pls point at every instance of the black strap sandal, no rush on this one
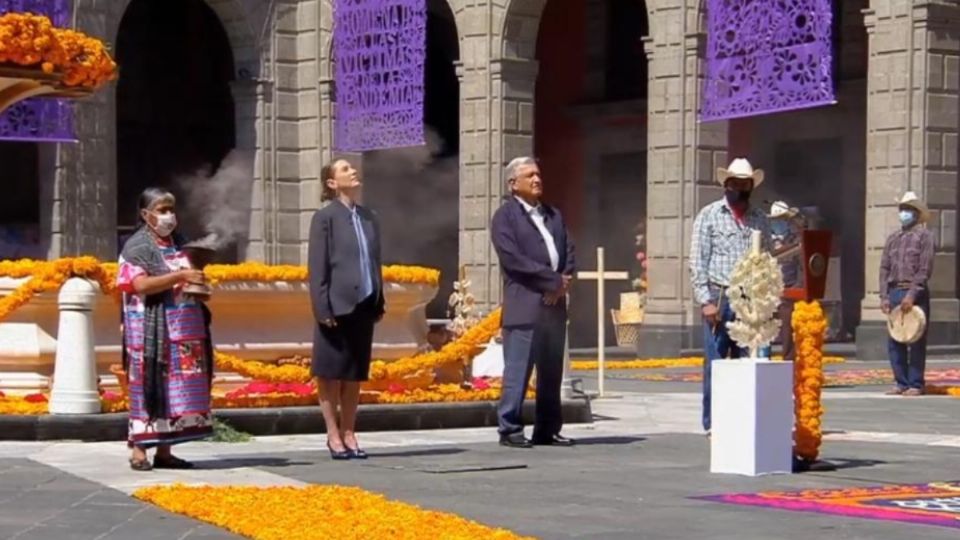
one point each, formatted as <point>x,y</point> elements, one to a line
<point>142,465</point>
<point>171,462</point>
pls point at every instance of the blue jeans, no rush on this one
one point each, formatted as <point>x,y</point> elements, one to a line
<point>909,361</point>
<point>717,344</point>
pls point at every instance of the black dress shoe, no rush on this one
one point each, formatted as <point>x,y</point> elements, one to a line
<point>516,440</point>
<point>553,440</point>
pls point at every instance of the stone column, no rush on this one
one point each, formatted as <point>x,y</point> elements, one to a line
<point>913,118</point>
<point>682,155</point>
<point>496,126</point>
<point>251,99</point>
<point>79,184</point>
<point>75,372</point>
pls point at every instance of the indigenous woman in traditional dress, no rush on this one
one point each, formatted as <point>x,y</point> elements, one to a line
<point>346,290</point>
<point>167,352</point>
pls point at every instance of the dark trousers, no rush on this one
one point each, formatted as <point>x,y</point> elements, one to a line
<point>909,361</point>
<point>786,330</point>
<point>524,347</point>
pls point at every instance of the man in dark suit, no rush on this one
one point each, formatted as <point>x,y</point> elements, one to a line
<point>536,259</point>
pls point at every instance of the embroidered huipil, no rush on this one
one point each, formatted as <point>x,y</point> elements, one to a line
<point>719,240</point>
<point>187,381</point>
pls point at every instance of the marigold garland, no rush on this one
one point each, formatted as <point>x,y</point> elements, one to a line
<point>49,276</point>
<point>659,363</point>
<point>460,350</point>
<point>289,513</point>
<point>936,390</point>
<point>37,404</point>
<point>32,40</point>
<point>255,271</point>
<point>809,329</point>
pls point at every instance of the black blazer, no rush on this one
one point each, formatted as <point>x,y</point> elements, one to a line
<point>525,261</point>
<point>333,260</point>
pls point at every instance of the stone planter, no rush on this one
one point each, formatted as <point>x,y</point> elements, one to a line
<point>254,320</point>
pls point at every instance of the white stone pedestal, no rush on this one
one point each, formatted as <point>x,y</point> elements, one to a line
<point>752,417</point>
<point>75,372</point>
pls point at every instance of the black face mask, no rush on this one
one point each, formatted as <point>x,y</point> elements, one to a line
<point>737,197</point>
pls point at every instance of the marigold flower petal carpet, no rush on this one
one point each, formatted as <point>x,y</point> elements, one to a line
<point>315,512</point>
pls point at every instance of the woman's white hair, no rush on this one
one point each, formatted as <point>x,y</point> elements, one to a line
<point>510,172</point>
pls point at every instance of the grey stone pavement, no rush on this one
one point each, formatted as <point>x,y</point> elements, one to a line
<point>632,475</point>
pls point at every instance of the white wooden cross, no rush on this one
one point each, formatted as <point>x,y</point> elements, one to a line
<point>600,276</point>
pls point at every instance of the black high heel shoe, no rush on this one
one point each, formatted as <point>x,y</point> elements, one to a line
<point>338,455</point>
<point>356,453</point>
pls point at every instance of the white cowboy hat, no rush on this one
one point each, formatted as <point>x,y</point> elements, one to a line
<point>781,209</point>
<point>906,327</point>
<point>740,168</point>
<point>911,200</point>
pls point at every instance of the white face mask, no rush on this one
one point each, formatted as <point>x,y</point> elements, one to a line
<point>166,223</point>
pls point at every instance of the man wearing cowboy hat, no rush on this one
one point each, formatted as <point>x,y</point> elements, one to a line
<point>786,229</point>
<point>721,236</point>
<point>905,269</point>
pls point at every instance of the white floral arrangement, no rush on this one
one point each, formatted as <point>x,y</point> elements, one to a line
<point>754,295</point>
<point>462,306</point>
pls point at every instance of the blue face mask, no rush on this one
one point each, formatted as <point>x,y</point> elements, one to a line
<point>779,228</point>
<point>907,217</point>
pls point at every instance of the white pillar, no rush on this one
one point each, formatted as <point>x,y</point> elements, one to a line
<point>75,372</point>
<point>566,386</point>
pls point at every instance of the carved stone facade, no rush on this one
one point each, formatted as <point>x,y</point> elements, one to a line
<point>284,114</point>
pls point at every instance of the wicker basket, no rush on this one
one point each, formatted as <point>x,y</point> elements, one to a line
<point>628,333</point>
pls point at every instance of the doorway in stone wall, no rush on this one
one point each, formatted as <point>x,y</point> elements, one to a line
<point>175,112</point>
<point>590,138</point>
<point>20,206</point>
<point>415,191</point>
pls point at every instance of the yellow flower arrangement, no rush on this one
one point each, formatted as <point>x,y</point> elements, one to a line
<point>261,371</point>
<point>292,513</point>
<point>49,276</point>
<point>935,390</point>
<point>255,271</point>
<point>658,363</point>
<point>652,363</point>
<point>462,349</point>
<point>19,405</point>
<point>32,40</point>
<point>809,328</point>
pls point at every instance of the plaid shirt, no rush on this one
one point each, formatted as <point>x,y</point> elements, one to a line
<point>719,241</point>
<point>907,258</point>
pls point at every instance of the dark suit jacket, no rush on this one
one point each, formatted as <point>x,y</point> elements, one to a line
<point>525,261</point>
<point>333,260</point>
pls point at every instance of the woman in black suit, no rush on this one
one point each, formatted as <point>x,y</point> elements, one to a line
<point>346,290</point>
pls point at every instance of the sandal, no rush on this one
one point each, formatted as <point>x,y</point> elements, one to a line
<point>140,464</point>
<point>171,462</point>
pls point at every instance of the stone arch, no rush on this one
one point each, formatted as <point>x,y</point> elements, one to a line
<point>522,22</point>
<point>232,15</point>
<point>231,78</point>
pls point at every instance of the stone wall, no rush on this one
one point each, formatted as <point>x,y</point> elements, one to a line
<point>78,181</point>
<point>912,123</point>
